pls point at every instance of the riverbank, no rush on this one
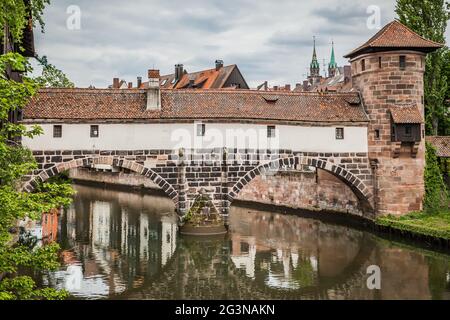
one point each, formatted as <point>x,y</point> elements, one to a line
<point>434,225</point>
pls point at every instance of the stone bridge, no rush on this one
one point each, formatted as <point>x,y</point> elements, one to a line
<point>220,173</point>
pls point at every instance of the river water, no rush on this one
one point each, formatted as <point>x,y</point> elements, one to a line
<point>119,245</point>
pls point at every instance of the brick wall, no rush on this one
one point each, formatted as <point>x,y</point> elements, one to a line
<point>312,191</point>
<point>399,178</point>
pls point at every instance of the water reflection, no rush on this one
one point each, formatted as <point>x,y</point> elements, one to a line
<point>125,246</point>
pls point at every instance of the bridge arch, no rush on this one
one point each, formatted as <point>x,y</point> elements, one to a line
<point>45,174</point>
<point>359,187</point>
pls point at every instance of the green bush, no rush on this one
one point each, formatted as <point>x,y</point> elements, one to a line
<point>436,193</point>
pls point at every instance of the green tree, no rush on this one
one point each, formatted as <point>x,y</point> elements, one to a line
<point>52,76</point>
<point>14,15</point>
<point>17,161</point>
<point>429,19</point>
<point>436,194</point>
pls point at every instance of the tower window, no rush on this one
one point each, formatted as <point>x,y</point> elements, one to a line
<point>57,131</point>
<point>201,130</point>
<point>363,64</point>
<point>377,134</point>
<point>94,131</point>
<point>408,131</point>
<point>379,62</point>
<point>339,133</point>
<point>270,131</point>
<point>402,62</point>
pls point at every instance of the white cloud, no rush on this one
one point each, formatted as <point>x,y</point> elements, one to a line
<point>268,40</point>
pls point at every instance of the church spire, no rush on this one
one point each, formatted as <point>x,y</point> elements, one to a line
<point>332,66</point>
<point>314,66</point>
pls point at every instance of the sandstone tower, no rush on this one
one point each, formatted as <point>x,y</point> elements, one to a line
<point>388,71</point>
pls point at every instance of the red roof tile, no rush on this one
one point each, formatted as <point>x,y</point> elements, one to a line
<point>442,145</point>
<point>205,79</point>
<point>406,114</point>
<point>395,35</point>
<point>96,104</point>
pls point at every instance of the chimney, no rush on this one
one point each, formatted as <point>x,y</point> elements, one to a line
<point>347,73</point>
<point>139,82</point>
<point>275,88</point>
<point>305,85</point>
<point>130,85</point>
<point>153,91</point>
<point>116,83</point>
<point>179,71</point>
<point>219,64</point>
<point>287,87</point>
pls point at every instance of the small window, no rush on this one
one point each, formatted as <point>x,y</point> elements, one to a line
<point>201,130</point>
<point>363,64</point>
<point>379,62</point>
<point>339,133</point>
<point>402,62</point>
<point>270,131</point>
<point>94,131</point>
<point>57,131</point>
<point>408,131</point>
<point>377,134</point>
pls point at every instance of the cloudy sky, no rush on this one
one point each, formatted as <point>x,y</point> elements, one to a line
<point>268,40</point>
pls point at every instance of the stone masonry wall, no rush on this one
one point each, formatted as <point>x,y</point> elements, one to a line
<point>221,174</point>
<point>399,177</point>
<point>318,190</point>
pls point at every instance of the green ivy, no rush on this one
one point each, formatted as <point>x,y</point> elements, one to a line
<point>436,193</point>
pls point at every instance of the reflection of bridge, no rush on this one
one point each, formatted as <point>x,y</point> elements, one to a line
<point>119,245</point>
<point>221,174</point>
<point>113,242</point>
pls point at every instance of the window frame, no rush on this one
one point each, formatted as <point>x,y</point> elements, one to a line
<point>271,132</point>
<point>337,135</point>
<point>92,131</point>
<point>402,62</point>
<point>363,65</point>
<point>408,131</point>
<point>202,131</point>
<point>55,135</point>
<point>377,134</point>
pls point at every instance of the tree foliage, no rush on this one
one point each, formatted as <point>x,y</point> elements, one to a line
<point>429,19</point>
<point>52,76</point>
<point>15,14</point>
<point>15,162</point>
<point>436,194</point>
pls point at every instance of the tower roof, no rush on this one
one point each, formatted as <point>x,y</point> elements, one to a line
<point>395,36</point>
<point>315,63</point>
<point>332,64</point>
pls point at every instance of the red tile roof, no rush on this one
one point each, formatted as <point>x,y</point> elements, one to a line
<point>110,104</point>
<point>406,114</point>
<point>395,35</point>
<point>442,145</point>
<point>205,79</point>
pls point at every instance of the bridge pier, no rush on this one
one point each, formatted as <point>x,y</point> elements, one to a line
<point>182,201</point>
